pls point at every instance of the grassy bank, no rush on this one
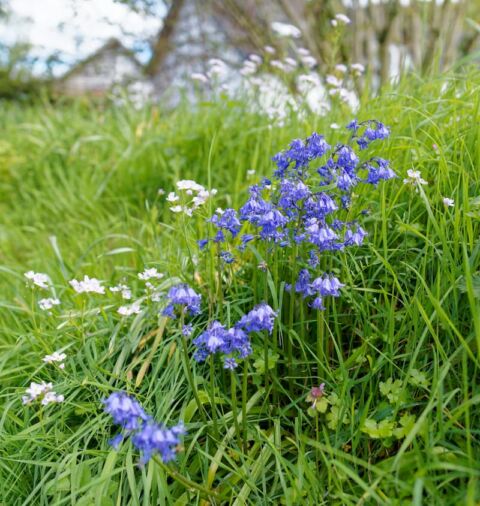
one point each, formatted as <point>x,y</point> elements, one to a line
<point>79,195</point>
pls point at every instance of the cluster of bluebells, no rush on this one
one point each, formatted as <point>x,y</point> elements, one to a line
<point>313,183</point>
<point>148,437</point>
<point>182,298</point>
<point>320,287</point>
<point>234,343</point>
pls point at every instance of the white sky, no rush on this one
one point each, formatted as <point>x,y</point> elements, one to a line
<point>75,28</point>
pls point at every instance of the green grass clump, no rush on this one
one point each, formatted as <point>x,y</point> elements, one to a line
<point>399,422</point>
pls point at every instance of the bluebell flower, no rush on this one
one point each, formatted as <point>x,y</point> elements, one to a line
<point>345,181</point>
<point>346,157</point>
<point>261,317</point>
<point>321,235</point>
<point>380,172</point>
<point>218,339</point>
<point>372,130</point>
<point>116,441</point>
<point>255,207</point>
<point>303,283</point>
<point>147,436</point>
<point>270,222</point>
<point>228,220</point>
<point>319,205</point>
<point>153,439</point>
<point>327,285</point>
<point>184,296</point>
<point>212,339</point>
<point>230,363</point>
<point>202,243</point>
<point>227,257</point>
<point>124,410</point>
<point>187,330</point>
<point>354,237</point>
<point>318,303</point>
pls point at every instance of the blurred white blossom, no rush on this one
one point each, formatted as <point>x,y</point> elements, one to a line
<point>129,310</point>
<point>87,285</point>
<point>286,30</point>
<point>55,357</point>
<point>48,303</point>
<point>38,279</point>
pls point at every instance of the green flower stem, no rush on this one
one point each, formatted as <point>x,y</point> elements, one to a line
<point>320,341</point>
<point>188,372</point>
<point>212,397</point>
<point>183,480</point>
<point>244,404</point>
<point>233,393</point>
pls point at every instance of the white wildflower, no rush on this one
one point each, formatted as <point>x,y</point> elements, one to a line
<point>278,65</point>
<point>255,58</point>
<point>341,68</point>
<point>334,126</point>
<point>87,285</point>
<point>269,49</point>
<point>341,18</point>
<point>45,390</point>
<point>151,273</point>
<point>303,51</point>
<point>290,61</point>
<point>358,68</point>
<point>123,289</point>
<point>176,209</point>
<point>448,202</point>
<point>251,172</point>
<point>414,177</point>
<point>51,397</point>
<point>38,278</point>
<point>201,78</point>
<point>333,81</point>
<point>188,184</point>
<point>55,357</point>
<point>160,192</point>
<point>48,303</point>
<point>309,61</point>
<point>171,197</point>
<point>286,30</point>
<point>129,310</point>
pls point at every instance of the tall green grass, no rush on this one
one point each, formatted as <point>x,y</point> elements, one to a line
<point>79,195</point>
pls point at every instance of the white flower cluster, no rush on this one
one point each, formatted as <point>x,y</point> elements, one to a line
<point>123,289</point>
<point>447,202</point>
<point>38,279</point>
<point>414,178</point>
<point>129,310</point>
<point>286,30</point>
<point>194,196</point>
<point>56,356</point>
<point>43,391</point>
<point>151,273</point>
<point>340,19</point>
<point>87,285</point>
<point>48,303</point>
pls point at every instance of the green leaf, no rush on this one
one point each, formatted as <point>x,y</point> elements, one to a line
<point>381,430</point>
<point>393,390</point>
<point>418,379</point>
<point>407,423</point>
<point>321,405</point>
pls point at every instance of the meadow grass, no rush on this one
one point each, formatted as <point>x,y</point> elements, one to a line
<point>79,195</point>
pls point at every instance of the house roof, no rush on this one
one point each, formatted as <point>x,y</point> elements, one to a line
<point>111,44</point>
